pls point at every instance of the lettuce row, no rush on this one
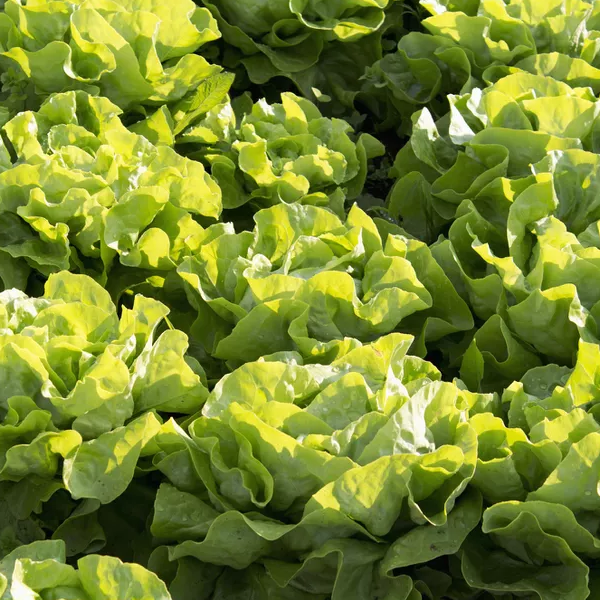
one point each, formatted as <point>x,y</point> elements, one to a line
<point>508,178</point>
<point>329,460</point>
<point>363,476</point>
<point>465,45</point>
<point>81,192</point>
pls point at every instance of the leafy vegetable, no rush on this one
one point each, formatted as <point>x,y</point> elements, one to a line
<point>133,52</point>
<point>288,37</point>
<point>310,283</point>
<point>289,455</point>
<point>283,152</point>
<point>82,394</point>
<point>85,193</point>
<point>252,372</point>
<point>41,567</point>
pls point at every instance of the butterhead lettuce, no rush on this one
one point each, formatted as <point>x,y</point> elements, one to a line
<point>286,152</point>
<point>85,193</point>
<point>134,53</point>
<point>82,397</point>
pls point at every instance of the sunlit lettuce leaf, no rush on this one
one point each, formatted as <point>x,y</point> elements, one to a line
<point>41,568</point>
<point>85,192</point>
<point>310,283</point>
<point>134,53</point>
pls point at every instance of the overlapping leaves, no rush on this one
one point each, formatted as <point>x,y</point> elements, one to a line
<point>288,459</point>
<point>40,570</point>
<point>283,152</point>
<point>288,37</point>
<point>81,397</point>
<point>366,476</point>
<point>134,53</point>
<point>305,281</point>
<point>85,194</point>
<point>509,175</point>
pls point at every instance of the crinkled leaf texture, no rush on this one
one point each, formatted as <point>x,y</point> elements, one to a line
<point>86,193</point>
<point>40,570</point>
<point>132,52</point>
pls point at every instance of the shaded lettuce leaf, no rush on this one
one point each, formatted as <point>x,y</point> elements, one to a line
<point>422,71</point>
<point>533,547</point>
<point>289,37</point>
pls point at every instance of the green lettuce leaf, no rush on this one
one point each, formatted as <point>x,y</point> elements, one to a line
<point>134,53</point>
<point>85,191</point>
